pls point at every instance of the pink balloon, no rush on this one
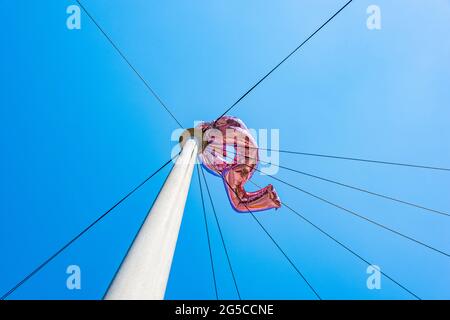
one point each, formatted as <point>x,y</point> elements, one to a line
<point>235,169</point>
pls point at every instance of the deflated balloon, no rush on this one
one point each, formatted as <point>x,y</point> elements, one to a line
<point>235,166</point>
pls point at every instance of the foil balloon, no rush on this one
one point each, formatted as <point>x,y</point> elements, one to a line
<point>235,166</point>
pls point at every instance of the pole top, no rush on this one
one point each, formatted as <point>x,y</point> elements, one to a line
<point>196,134</point>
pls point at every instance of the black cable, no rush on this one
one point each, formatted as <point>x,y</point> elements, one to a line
<point>352,187</point>
<point>43,264</point>
<point>361,216</point>
<point>221,235</point>
<point>350,250</point>
<point>147,85</point>
<point>207,233</point>
<point>275,242</point>
<point>357,215</point>
<point>282,61</point>
<point>337,241</point>
<point>343,245</point>
<point>358,159</point>
<point>134,238</point>
<point>285,255</point>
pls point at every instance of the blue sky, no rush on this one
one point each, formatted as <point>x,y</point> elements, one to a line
<point>79,130</point>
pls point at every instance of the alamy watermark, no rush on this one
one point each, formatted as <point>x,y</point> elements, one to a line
<point>234,146</point>
<point>73,281</point>
<point>373,21</point>
<point>73,21</point>
<point>374,280</point>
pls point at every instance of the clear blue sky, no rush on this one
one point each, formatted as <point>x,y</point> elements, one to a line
<point>79,130</point>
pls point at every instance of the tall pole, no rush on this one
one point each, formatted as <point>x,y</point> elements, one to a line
<point>145,270</point>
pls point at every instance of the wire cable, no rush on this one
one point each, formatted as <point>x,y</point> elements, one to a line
<point>358,159</point>
<point>351,187</point>
<point>361,217</point>
<point>276,243</point>
<point>282,61</point>
<point>146,84</point>
<point>221,234</point>
<point>207,233</point>
<point>141,224</point>
<point>342,245</point>
<point>64,247</point>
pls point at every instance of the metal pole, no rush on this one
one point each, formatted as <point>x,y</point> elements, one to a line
<point>144,273</point>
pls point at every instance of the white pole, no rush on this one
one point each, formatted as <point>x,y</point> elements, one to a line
<point>144,273</point>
